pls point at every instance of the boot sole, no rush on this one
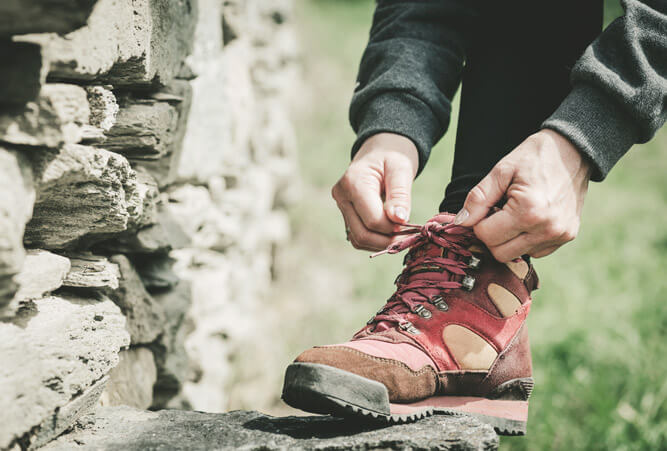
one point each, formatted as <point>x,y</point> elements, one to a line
<point>323,389</point>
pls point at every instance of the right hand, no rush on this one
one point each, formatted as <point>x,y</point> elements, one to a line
<point>374,192</point>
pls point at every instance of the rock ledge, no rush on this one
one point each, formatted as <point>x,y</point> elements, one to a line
<point>127,429</point>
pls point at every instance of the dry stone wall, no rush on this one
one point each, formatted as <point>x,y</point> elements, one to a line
<point>146,160</point>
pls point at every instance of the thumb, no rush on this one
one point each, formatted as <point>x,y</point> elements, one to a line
<point>397,188</point>
<point>485,195</point>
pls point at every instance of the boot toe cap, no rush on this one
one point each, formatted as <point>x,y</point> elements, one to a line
<point>403,383</point>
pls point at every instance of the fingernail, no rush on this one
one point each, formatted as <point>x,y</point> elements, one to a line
<point>461,216</point>
<point>401,213</point>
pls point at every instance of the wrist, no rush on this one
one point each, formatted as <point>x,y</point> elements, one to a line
<point>574,159</point>
<point>390,145</point>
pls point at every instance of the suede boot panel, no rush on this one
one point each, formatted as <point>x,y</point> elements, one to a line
<point>513,363</point>
<point>403,384</point>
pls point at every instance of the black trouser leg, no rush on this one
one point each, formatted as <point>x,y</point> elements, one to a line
<point>516,75</point>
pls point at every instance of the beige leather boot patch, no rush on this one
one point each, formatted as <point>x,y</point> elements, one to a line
<point>503,299</point>
<point>520,269</point>
<point>470,351</point>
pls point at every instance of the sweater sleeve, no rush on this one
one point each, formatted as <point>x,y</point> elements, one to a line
<point>619,87</point>
<point>410,71</point>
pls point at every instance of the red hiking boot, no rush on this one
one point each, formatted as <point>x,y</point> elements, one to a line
<point>450,340</point>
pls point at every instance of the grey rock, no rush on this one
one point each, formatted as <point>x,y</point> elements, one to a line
<point>159,238</point>
<point>85,195</point>
<point>143,128</point>
<point>42,272</point>
<point>57,116</point>
<point>38,16</point>
<point>16,205</point>
<point>145,317</point>
<point>125,43</point>
<point>51,351</point>
<point>103,107</point>
<point>127,429</point>
<point>131,381</point>
<point>165,168</point>
<point>64,417</point>
<point>93,272</point>
<point>21,76</point>
<point>171,358</point>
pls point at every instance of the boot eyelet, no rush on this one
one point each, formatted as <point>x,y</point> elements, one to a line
<point>422,311</point>
<point>474,262</point>
<point>439,303</point>
<point>408,327</point>
<point>468,283</point>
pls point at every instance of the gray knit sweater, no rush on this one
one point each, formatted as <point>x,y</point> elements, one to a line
<point>407,79</point>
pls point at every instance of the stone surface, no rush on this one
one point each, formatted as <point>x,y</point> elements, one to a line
<point>92,272</point>
<point>103,107</point>
<point>39,16</point>
<point>51,351</point>
<point>159,238</point>
<point>22,75</point>
<point>86,195</point>
<point>58,116</point>
<point>178,94</point>
<point>131,381</point>
<point>42,272</point>
<point>143,128</point>
<point>139,42</point>
<point>16,204</point>
<point>127,429</point>
<point>145,317</point>
<point>171,358</point>
<point>65,416</point>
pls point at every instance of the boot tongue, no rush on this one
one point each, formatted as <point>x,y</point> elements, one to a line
<point>426,271</point>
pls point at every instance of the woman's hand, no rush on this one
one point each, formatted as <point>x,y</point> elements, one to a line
<point>544,182</point>
<point>374,192</point>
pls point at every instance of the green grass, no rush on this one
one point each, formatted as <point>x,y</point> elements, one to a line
<point>599,322</point>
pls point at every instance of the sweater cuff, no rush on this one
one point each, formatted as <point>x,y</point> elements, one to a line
<point>400,113</point>
<point>596,125</point>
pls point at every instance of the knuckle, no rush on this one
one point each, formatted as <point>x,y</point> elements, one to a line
<point>399,192</point>
<point>534,216</point>
<point>362,237</point>
<point>553,230</point>
<point>569,235</point>
<point>503,170</point>
<point>476,195</point>
<point>373,223</point>
<point>335,191</point>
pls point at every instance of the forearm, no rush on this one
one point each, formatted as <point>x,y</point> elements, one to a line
<point>619,88</point>
<point>410,71</point>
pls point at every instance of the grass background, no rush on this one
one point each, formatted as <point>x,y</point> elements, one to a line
<point>598,324</point>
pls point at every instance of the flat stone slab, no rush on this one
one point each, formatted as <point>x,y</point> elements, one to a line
<point>126,429</point>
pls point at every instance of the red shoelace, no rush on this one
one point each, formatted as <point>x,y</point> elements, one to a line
<point>451,237</point>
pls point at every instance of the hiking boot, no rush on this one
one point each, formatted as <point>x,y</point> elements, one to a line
<point>452,339</point>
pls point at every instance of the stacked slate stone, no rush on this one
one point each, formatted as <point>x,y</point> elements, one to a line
<point>139,204</point>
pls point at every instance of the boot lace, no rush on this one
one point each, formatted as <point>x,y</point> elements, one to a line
<point>410,295</point>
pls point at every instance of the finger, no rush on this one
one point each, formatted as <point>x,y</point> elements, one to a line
<point>539,253</point>
<point>485,195</point>
<point>366,197</point>
<point>514,248</point>
<point>360,236</point>
<point>498,228</point>
<point>397,187</point>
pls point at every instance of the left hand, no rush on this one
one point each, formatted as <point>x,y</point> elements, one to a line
<point>544,182</point>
